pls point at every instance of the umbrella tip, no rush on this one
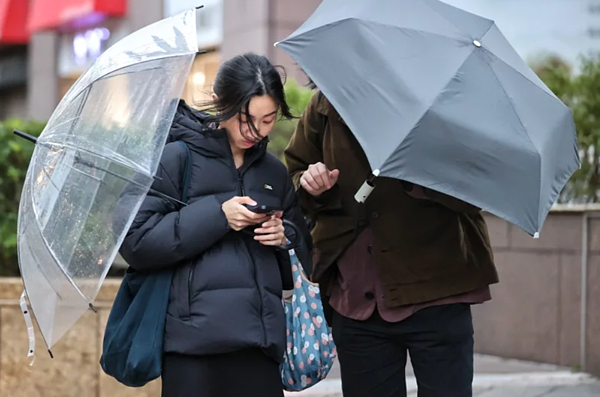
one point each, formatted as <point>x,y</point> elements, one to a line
<point>199,7</point>
<point>50,353</point>
<point>25,136</point>
<point>94,309</point>
<point>536,235</point>
<point>276,44</point>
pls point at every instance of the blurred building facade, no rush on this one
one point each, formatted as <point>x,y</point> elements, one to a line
<point>255,25</point>
<point>67,36</point>
<point>45,45</point>
<point>14,37</point>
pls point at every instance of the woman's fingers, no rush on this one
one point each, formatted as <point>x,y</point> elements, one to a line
<point>245,215</point>
<point>271,232</point>
<point>272,226</point>
<point>274,240</point>
<point>269,237</point>
<point>238,225</point>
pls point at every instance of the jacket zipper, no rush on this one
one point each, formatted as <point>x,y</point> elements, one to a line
<point>191,274</point>
<point>190,279</point>
<point>260,306</point>
<point>241,183</point>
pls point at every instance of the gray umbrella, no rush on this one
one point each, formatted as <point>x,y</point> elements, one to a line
<point>437,96</point>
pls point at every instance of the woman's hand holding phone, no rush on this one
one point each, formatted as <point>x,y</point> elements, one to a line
<point>271,232</point>
<point>240,217</point>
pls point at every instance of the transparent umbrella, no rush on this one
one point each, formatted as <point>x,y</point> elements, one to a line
<point>104,139</point>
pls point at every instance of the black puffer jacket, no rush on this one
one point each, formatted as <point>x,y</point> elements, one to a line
<point>226,291</point>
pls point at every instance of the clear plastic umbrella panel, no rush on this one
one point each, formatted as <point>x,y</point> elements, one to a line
<point>104,138</point>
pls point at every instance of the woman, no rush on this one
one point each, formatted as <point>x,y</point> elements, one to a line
<point>225,328</point>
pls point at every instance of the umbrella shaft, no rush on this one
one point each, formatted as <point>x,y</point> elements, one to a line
<point>92,165</point>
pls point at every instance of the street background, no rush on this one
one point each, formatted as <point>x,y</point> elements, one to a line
<point>546,309</point>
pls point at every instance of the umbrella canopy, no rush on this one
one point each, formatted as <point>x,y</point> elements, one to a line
<point>438,97</point>
<point>104,138</point>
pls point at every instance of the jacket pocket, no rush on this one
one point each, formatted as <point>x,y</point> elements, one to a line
<point>181,294</point>
<point>190,281</point>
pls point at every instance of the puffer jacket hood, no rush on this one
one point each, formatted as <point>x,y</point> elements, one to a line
<point>192,127</point>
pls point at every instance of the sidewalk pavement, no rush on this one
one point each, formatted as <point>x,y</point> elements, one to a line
<point>494,377</point>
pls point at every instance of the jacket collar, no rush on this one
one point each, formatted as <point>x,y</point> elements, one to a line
<point>191,127</point>
<point>325,108</point>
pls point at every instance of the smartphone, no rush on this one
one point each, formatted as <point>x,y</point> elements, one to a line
<point>264,209</point>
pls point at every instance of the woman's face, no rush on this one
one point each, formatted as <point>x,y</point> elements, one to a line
<point>263,113</point>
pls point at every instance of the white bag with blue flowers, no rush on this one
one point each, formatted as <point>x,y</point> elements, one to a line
<point>310,351</point>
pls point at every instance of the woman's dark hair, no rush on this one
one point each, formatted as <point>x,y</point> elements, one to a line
<point>239,80</point>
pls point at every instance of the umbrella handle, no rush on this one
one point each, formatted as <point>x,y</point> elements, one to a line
<point>365,190</point>
<point>298,236</point>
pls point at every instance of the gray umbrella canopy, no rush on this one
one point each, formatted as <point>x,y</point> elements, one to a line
<point>437,96</point>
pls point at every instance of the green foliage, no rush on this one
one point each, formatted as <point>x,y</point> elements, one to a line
<point>581,92</point>
<point>297,98</point>
<point>15,153</point>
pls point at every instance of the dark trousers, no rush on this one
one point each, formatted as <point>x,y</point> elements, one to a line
<point>439,339</point>
<point>245,373</point>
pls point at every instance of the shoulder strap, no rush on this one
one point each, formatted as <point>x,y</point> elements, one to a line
<point>186,173</point>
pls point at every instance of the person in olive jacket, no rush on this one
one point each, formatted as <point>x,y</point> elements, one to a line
<point>225,327</point>
<point>398,273</point>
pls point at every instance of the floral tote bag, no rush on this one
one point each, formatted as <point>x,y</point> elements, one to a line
<point>310,351</point>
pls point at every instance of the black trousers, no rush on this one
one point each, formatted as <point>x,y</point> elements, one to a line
<point>247,373</point>
<point>439,339</point>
